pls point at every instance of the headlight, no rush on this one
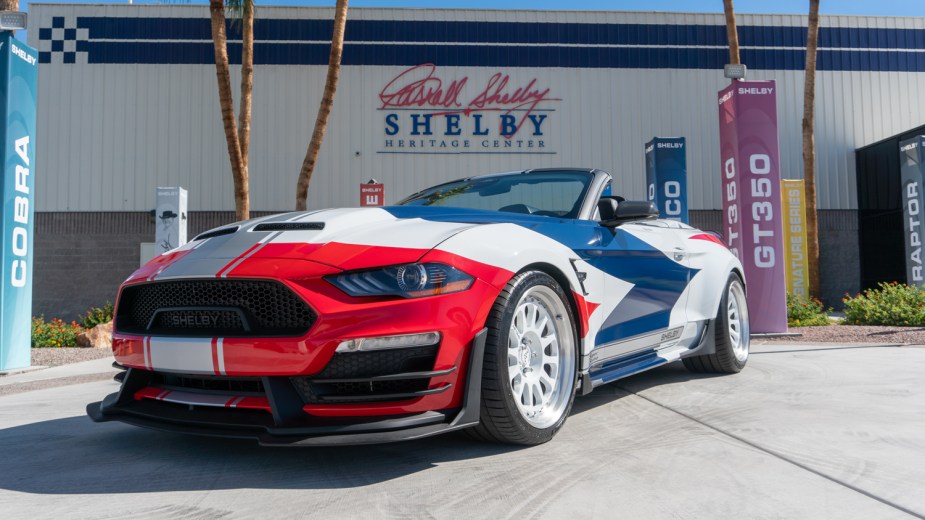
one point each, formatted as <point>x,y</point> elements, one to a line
<point>409,281</point>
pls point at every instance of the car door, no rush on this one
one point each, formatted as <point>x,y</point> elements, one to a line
<point>645,276</point>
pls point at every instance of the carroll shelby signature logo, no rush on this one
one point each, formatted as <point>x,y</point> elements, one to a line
<point>422,87</point>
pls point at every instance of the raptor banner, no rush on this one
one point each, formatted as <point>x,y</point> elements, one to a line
<point>750,158</point>
<point>912,171</point>
<point>18,72</point>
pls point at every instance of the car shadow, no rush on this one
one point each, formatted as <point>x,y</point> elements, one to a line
<point>76,456</point>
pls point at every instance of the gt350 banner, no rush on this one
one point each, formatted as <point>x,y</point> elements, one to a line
<point>666,176</point>
<point>750,158</point>
<point>912,171</point>
<point>18,70</point>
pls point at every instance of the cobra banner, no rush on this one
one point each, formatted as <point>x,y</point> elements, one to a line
<point>18,72</point>
<point>793,198</point>
<point>912,171</point>
<point>750,158</point>
<point>666,176</point>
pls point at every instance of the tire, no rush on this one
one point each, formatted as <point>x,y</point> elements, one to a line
<point>732,332</point>
<point>527,387</point>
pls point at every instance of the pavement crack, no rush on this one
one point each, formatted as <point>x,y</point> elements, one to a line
<point>778,456</point>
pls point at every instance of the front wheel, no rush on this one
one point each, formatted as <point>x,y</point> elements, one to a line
<point>530,370</point>
<point>732,334</point>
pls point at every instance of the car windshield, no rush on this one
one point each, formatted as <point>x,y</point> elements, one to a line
<point>553,194</point>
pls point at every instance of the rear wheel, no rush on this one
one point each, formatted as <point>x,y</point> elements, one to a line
<point>530,369</point>
<point>732,334</point>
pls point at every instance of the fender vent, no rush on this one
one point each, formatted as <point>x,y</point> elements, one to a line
<point>290,226</point>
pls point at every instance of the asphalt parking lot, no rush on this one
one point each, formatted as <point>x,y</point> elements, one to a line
<point>806,431</point>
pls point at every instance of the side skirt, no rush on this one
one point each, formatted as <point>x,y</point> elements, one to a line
<point>633,363</point>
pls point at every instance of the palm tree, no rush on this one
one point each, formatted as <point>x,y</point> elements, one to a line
<point>327,101</point>
<point>732,34</point>
<point>236,136</point>
<point>809,147</point>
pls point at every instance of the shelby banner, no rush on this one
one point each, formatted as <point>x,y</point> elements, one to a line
<point>666,176</point>
<point>750,158</point>
<point>793,198</point>
<point>912,171</point>
<point>18,72</point>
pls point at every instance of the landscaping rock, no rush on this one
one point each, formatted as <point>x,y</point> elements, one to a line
<point>97,337</point>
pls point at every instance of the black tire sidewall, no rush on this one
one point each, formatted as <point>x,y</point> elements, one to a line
<point>501,318</point>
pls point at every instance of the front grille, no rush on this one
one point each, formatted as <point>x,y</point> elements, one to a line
<point>364,366</point>
<point>213,308</point>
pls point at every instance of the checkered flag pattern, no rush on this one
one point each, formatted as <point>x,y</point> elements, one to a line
<point>63,42</point>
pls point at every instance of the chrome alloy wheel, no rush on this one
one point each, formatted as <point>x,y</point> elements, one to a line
<point>737,319</point>
<point>541,357</point>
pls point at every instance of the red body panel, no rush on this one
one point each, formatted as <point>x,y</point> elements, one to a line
<point>457,316</point>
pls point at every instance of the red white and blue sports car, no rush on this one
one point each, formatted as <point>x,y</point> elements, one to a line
<point>484,304</point>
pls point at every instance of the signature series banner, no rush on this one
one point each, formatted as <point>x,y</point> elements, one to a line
<point>427,111</point>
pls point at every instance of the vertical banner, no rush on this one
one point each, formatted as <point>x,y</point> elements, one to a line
<point>793,197</point>
<point>170,215</point>
<point>912,171</point>
<point>666,176</point>
<point>372,193</point>
<point>18,74</point>
<point>750,159</point>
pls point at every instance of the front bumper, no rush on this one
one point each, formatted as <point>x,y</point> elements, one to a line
<point>288,424</point>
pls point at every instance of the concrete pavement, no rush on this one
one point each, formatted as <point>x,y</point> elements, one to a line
<point>803,432</point>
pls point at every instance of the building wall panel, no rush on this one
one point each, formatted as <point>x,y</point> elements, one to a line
<point>110,133</point>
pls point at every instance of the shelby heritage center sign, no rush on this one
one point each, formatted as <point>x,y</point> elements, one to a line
<point>912,171</point>
<point>750,159</point>
<point>18,72</point>
<point>430,111</point>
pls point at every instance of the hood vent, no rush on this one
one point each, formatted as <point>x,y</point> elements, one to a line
<point>216,233</point>
<point>290,226</point>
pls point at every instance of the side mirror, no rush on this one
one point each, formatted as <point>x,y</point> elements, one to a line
<point>630,211</point>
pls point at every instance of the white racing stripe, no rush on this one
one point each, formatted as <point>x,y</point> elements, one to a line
<point>184,355</point>
<point>220,355</point>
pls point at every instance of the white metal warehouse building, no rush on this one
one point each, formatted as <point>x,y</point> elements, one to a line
<point>128,102</point>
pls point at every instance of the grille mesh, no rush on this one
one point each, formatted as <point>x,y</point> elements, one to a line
<point>269,307</point>
<point>359,365</point>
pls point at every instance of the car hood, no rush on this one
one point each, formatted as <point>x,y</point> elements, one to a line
<point>352,238</point>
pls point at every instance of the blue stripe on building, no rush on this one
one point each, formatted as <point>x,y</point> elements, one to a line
<point>148,41</point>
<point>506,32</point>
<point>481,56</point>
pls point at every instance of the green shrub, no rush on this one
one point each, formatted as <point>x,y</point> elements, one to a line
<point>805,313</point>
<point>96,316</point>
<point>54,333</point>
<point>888,304</point>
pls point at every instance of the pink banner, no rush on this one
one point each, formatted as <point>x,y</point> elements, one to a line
<point>750,158</point>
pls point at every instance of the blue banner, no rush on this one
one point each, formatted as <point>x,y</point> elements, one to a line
<point>18,74</point>
<point>912,174</point>
<point>666,176</point>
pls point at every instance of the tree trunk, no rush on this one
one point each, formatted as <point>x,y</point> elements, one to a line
<point>247,82</point>
<point>809,147</point>
<point>327,101</point>
<point>238,167</point>
<point>732,34</point>
<point>9,5</point>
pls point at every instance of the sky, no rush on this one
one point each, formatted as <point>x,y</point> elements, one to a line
<point>852,7</point>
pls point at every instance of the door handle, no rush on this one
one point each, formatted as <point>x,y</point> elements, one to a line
<point>679,254</point>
